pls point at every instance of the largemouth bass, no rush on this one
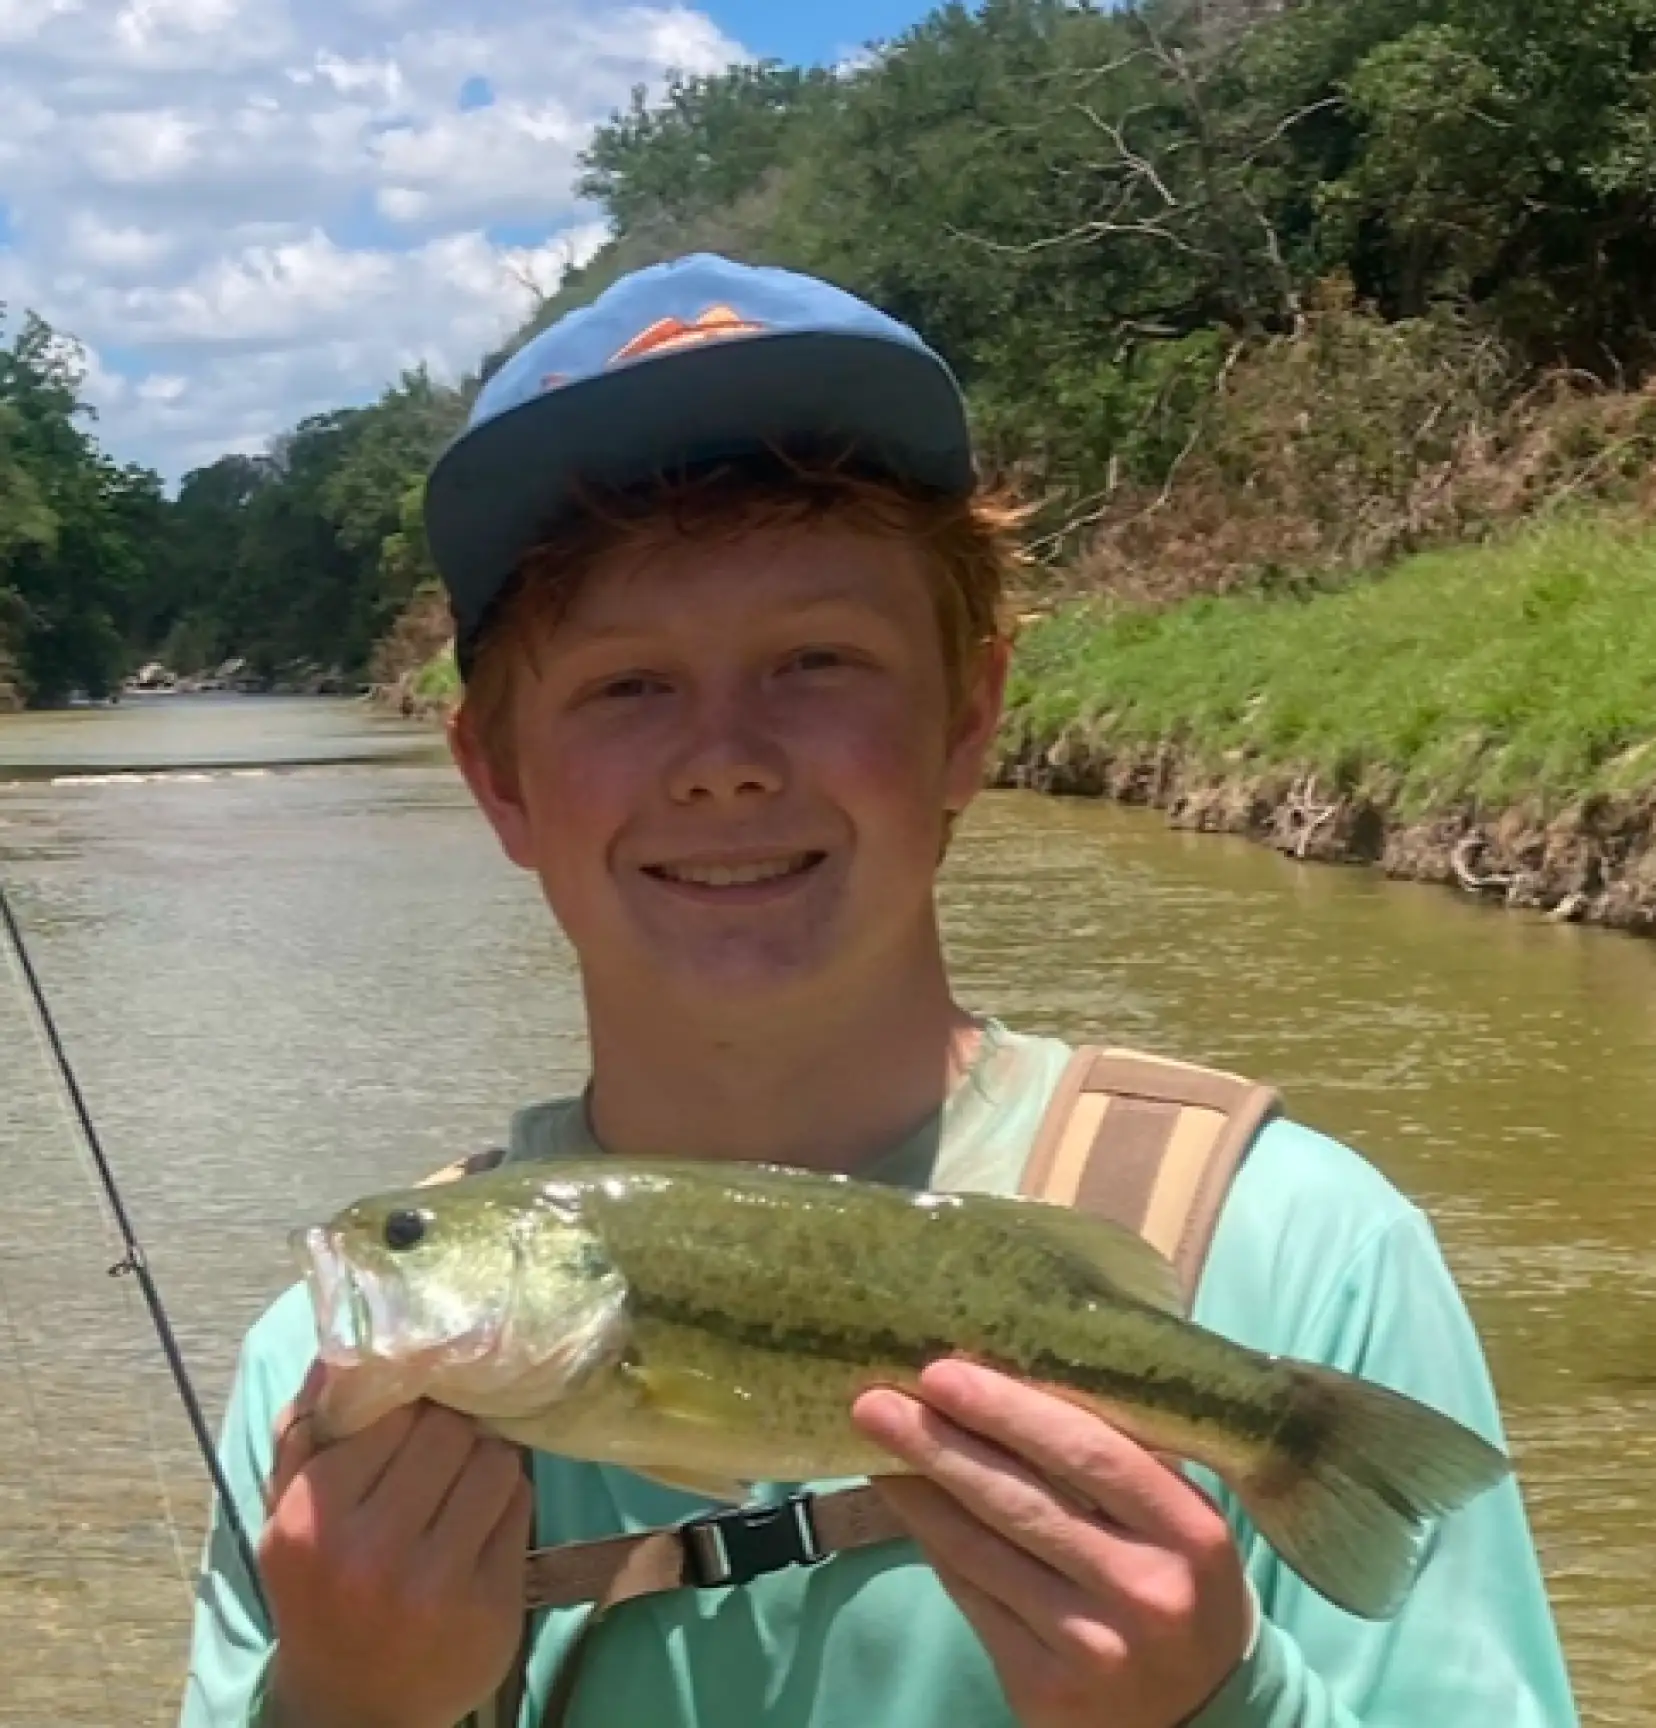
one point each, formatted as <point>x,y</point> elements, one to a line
<point>711,1325</point>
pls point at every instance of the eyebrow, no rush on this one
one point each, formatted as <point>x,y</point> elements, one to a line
<point>580,635</point>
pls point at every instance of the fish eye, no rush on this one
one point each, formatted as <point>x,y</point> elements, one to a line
<point>405,1230</point>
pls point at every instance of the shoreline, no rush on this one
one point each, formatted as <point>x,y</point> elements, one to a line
<point>1591,861</point>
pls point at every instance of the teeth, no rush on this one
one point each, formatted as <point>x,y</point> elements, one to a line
<point>730,876</point>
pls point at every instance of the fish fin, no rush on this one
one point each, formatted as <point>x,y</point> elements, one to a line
<point>1349,1503</point>
<point>682,1395</point>
<point>1121,1257</point>
<point>688,1482</point>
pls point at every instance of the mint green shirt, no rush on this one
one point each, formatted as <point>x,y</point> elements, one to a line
<point>1316,1255</point>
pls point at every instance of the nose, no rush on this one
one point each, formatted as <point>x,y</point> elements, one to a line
<point>727,753</point>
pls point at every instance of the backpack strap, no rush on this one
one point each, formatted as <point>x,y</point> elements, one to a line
<point>1151,1143</point>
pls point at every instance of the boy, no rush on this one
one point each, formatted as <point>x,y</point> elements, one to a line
<point>727,596</point>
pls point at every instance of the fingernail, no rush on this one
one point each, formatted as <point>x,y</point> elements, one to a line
<point>881,1411</point>
<point>950,1378</point>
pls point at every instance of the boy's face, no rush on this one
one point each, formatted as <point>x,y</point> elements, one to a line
<point>733,763</point>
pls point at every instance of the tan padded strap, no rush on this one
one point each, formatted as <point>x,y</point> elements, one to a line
<point>1224,1157</point>
<point>1150,1143</point>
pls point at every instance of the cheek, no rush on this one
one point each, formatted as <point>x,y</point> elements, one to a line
<point>574,804</point>
<point>879,759</point>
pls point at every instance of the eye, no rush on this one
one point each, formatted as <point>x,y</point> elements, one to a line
<point>634,684</point>
<point>817,659</point>
<point>405,1230</point>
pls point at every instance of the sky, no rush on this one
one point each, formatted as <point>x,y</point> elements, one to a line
<point>246,211</point>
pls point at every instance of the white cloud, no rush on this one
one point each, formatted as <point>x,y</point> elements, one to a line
<point>250,210</point>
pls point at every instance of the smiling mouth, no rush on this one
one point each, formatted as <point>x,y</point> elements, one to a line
<point>744,875</point>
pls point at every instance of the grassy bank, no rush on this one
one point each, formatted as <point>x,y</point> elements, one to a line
<point>1483,676</point>
<point>1484,716</point>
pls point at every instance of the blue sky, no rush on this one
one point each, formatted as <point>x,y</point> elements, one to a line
<point>810,31</point>
<point>247,211</point>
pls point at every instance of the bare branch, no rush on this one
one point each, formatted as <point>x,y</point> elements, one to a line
<point>1284,126</point>
<point>1302,818</point>
<point>1099,230</point>
<point>1141,166</point>
<point>1085,74</point>
<point>1460,861</point>
<point>1198,427</point>
<point>1093,509</point>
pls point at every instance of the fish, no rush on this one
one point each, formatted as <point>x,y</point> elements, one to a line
<point>710,1325</point>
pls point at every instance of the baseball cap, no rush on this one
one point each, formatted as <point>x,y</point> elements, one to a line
<point>696,360</point>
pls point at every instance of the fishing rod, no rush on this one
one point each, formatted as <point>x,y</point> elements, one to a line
<point>135,1262</point>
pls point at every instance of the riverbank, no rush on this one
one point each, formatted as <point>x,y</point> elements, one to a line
<point>1483,717</point>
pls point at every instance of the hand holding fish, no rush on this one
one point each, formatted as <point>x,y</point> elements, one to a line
<point>1118,1593</point>
<point>394,1562</point>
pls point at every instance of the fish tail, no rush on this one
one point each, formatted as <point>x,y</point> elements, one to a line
<point>1357,1472</point>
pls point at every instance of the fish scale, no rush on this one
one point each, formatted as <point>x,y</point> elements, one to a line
<point>779,1287</point>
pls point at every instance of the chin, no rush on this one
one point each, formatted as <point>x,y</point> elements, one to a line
<point>744,980</point>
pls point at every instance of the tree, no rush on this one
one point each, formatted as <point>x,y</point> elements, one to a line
<point>80,537</point>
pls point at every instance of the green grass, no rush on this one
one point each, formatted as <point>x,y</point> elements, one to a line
<point>439,679</point>
<point>1505,673</point>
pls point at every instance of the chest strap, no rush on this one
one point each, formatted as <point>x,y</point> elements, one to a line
<point>732,1546</point>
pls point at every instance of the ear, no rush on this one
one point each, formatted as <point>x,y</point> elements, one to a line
<point>495,789</point>
<point>976,724</point>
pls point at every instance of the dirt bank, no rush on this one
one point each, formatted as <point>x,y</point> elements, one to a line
<point>1592,861</point>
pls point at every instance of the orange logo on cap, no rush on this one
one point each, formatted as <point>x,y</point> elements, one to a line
<point>713,325</point>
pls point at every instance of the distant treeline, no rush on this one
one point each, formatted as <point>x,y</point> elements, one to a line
<point>1240,287</point>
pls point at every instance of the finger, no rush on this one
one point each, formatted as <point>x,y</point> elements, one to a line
<point>953,1541</point>
<point>1072,1446</point>
<point>1023,1661</point>
<point>425,1469</point>
<point>290,1453</point>
<point>475,1505</point>
<point>503,1555</point>
<point>345,1474</point>
<point>294,1442</point>
<point>999,1490</point>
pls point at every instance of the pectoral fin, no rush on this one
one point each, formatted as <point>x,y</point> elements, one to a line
<point>682,1395</point>
<point>687,1482</point>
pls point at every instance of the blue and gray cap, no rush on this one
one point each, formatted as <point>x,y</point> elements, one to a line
<point>692,361</point>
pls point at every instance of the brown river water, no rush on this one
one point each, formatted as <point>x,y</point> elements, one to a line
<point>298,969</point>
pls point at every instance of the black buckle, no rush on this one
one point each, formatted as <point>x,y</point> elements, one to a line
<point>741,1544</point>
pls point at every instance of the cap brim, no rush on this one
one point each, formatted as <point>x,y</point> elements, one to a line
<point>495,491</point>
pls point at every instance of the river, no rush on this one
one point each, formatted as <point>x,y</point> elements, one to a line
<point>299,969</point>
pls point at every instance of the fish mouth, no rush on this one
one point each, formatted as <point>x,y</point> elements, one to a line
<point>351,1310</point>
<point>362,1318</point>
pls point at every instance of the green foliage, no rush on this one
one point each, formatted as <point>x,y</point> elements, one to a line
<point>81,538</point>
<point>708,142</point>
<point>1085,206</point>
<point>304,554</point>
<point>308,553</point>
